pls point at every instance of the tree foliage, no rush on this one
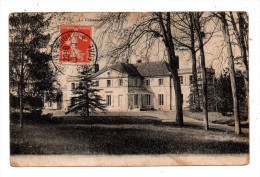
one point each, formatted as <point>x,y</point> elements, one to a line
<point>30,71</point>
<point>223,94</point>
<point>148,29</point>
<point>85,98</point>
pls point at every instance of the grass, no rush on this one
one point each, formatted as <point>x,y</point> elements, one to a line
<point>119,135</point>
<point>217,118</point>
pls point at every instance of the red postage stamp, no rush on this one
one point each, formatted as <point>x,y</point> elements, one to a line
<point>75,44</point>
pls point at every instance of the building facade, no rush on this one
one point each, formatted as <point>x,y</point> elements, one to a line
<point>133,87</point>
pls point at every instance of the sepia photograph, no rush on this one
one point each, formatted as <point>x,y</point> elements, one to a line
<point>129,88</point>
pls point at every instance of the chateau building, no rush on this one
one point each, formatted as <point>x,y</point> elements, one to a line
<point>133,87</point>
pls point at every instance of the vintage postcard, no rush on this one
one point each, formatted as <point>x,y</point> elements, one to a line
<point>129,88</point>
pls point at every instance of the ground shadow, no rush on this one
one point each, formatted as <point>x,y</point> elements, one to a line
<point>120,136</point>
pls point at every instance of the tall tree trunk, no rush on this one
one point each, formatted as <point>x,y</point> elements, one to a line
<point>88,110</point>
<point>87,98</point>
<point>21,108</point>
<point>194,65</point>
<point>195,79</point>
<point>226,34</point>
<point>204,73</point>
<point>21,98</point>
<point>241,34</point>
<point>21,85</point>
<point>244,51</point>
<point>178,98</point>
<point>173,62</point>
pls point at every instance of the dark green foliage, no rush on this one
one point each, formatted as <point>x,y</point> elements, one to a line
<point>223,94</point>
<point>14,101</point>
<point>242,95</point>
<point>30,103</point>
<point>30,69</point>
<point>220,95</point>
<point>85,97</point>
<point>33,103</point>
<point>194,105</point>
<point>224,102</point>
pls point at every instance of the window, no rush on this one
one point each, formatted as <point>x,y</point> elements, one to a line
<point>191,79</point>
<point>148,99</point>
<point>120,83</point>
<point>96,83</point>
<point>80,84</point>
<point>181,79</point>
<point>147,82</point>
<point>72,86</point>
<point>120,100</point>
<point>136,99</point>
<point>108,101</point>
<point>108,83</point>
<point>160,98</point>
<point>135,82</point>
<point>160,81</point>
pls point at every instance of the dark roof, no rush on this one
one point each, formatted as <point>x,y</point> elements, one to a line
<point>150,69</point>
<point>129,69</point>
<point>160,68</point>
<point>140,69</point>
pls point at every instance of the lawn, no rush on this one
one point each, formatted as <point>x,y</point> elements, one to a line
<point>218,118</point>
<point>120,135</point>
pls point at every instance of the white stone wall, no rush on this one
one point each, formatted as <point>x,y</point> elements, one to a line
<point>120,98</point>
<point>119,93</point>
<point>157,89</point>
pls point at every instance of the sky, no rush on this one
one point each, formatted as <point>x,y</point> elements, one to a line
<point>214,49</point>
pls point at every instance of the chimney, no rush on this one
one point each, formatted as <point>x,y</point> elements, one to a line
<point>139,61</point>
<point>96,68</point>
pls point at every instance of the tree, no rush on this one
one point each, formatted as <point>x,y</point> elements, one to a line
<point>196,17</point>
<point>185,37</point>
<point>230,56</point>
<point>223,93</point>
<point>153,26</point>
<point>30,72</point>
<point>173,62</point>
<point>85,97</point>
<point>240,27</point>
